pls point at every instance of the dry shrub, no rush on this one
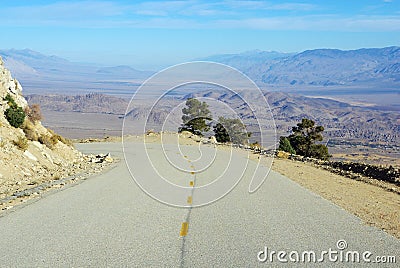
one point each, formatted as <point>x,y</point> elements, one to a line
<point>31,135</point>
<point>30,131</point>
<point>54,139</point>
<point>34,113</point>
<point>62,139</point>
<point>21,143</point>
<point>51,140</point>
<point>58,137</point>
<point>46,140</point>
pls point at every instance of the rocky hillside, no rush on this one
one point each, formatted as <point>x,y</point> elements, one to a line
<point>30,154</point>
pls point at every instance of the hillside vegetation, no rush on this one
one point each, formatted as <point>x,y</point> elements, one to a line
<point>30,154</point>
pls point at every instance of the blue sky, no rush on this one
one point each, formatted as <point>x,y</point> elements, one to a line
<point>154,34</point>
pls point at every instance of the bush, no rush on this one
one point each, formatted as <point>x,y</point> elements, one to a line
<point>284,145</point>
<point>34,113</point>
<point>10,101</point>
<point>21,143</point>
<point>15,116</point>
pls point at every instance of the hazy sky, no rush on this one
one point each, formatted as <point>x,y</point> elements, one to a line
<point>150,34</point>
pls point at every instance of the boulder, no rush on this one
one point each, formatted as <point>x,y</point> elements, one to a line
<point>282,154</point>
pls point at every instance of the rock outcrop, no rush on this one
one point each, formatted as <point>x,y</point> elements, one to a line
<point>31,154</point>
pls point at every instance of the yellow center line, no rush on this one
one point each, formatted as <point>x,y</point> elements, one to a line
<point>185,225</point>
<point>184,229</point>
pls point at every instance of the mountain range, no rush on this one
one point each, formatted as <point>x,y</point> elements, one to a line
<point>364,75</point>
<point>41,73</point>
<point>374,68</point>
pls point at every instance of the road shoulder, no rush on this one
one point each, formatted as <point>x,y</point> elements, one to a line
<point>372,204</point>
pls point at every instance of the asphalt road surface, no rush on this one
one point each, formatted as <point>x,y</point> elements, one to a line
<point>108,221</point>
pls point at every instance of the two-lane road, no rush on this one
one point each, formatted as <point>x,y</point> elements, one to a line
<point>109,221</point>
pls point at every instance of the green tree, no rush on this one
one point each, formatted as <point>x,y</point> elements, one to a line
<point>231,130</point>
<point>194,117</point>
<point>319,151</point>
<point>303,139</point>
<point>284,145</point>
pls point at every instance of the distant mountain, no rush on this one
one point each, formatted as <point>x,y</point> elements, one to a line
<point>122,71</point>
<point>20,69</point>
<point>39,72</point>
<point>32,57</point>
<point>366,68</point>
<point>329,67</point>
<point>27,62</point>
<point>320,70</point>
<point>248,59</point>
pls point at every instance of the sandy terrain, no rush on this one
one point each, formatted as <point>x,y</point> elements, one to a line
<point>374,205</point>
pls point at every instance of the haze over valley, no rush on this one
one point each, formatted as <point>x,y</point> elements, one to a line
<point>363,76</point>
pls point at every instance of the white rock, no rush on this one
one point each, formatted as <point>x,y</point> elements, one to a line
<point>30,155</point>
<point>37,144</point>
<point>108,159</point>
<point>213,139</point>
<point>11,87</point>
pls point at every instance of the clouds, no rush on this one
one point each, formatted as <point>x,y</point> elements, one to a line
<point>162,32</point>
<point>196,14</point>
<point>318,23</point>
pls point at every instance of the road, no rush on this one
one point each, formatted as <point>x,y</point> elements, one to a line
<point>108,221</point>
